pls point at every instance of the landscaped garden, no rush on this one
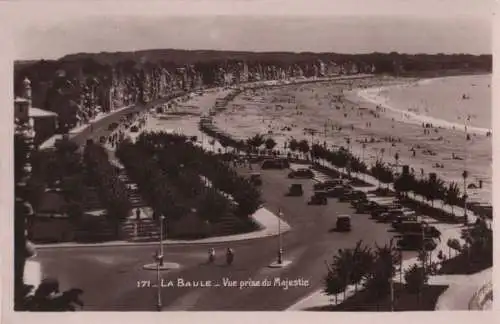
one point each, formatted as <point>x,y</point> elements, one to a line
<point>179,179</point>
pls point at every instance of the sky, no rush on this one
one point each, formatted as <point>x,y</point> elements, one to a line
<point>342,26</point>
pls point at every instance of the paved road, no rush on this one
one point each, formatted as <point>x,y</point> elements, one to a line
<point>100,128</point>
<point>109,275</point>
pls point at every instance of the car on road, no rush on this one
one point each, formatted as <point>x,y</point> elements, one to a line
<point>318,198</point>
<point>352,195</point>
<point>407,216</point>
<point>134,129</point>
<point>295,190</point>
<point>376,213</point>
<point>301,174</point>
<point>343,223</point>
<point>395,213</point>
<point>328,184</point>
<point>418,228</point>
<point>335,192</point>
<point>415,242</point>
<point>363,207</point>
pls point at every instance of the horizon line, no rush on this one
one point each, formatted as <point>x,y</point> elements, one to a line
<point>247,51</point>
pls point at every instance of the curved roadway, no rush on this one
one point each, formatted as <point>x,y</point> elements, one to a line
<point>109,275</point>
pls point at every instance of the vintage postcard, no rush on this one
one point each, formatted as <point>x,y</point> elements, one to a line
<point>308,156</point>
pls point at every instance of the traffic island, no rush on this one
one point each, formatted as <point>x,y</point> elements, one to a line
<point>283,264</point>
<point>163,267</point>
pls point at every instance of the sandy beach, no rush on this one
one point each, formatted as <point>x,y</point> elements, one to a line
<point>379,111</point>
<point>366,110</point>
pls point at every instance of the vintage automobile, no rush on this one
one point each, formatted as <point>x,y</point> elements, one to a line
<point>328,184</point>
<point>416,242</point>
<point>395,213</point>
<point>343,223</point>
<point>336,192</point>
<point>363,207</point>
<point>417,228</point>
<point>301,174</point>
<point>318,198</point>
<point>295,190</point>
<point>405,217</point>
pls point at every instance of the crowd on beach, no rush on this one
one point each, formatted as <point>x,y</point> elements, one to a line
<point>335,113</point>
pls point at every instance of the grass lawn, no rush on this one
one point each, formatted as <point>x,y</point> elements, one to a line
<point>403,301</point>
<point>462,265</point>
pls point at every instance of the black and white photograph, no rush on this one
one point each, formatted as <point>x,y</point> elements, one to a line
<point>251,156</point>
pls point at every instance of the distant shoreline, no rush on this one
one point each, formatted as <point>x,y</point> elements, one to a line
<point>362,94</point>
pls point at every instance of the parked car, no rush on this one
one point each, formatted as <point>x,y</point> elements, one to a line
<point>275,164</point>
<point>407,216</point>
<point>363,207</point>
<point>416,242</point>
<point>301,173</point>
<point>395,213</point>
<point>343,223</point>
<point>134,129</point>
<point>318,198</point>
<point>416,228</point>
<point>256,179</point>
<point>376,213</point>
<point>328,184</point>
<point>352,195</point>
<point>295,190</point>
<point>335,192</point>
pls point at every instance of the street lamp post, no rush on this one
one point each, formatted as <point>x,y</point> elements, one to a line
<point>400,272</point>
<point>363,147</point>
<point>465,174</point>
<point>280,249</point>
<point>162,218</point>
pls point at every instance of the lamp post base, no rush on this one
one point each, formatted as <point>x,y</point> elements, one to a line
<point>277,264</point>
<point>164,266</point>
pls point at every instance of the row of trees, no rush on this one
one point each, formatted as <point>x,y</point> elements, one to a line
<point>375,270</point>
<point>151,179</point>
<point>172,184</point>
<point>113,192</point>
<point>430,187</point>
<point>177,150</point>
<point>352,266</point>
<point>76,85</point>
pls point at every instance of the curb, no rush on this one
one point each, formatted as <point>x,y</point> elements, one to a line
<point>215,240</point>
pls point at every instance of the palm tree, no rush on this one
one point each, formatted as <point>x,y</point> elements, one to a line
<point>416,279</point>
<point>378,280</point>
<point>293,145</point>
<point>396,158</point>
<point>362,262</point>
<point>452,197</point>
<point>270,144</point>
<point>465,175</point>
<point>304,147</point>
<point>342,265</point>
